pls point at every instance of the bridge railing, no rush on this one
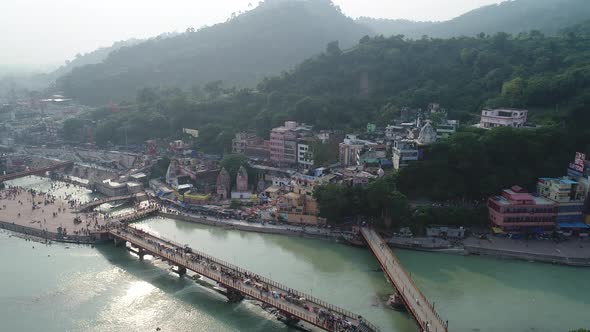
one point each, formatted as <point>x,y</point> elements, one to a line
<point>371,239</point>
<point>227,281</point>
<point>272,283</point>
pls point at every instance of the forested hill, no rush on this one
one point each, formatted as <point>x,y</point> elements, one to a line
<point>547,16</point>
<point>266,40</point>
<point>90,58</point>
<point>370,83</point>
<point>21,85</point>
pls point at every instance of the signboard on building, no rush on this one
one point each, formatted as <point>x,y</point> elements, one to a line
<point>579,162</point>
<point>193,132</point>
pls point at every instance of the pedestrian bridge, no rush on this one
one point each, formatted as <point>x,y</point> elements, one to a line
<point>36,171</point>
<point>421,310</point>
<point>294,305</point>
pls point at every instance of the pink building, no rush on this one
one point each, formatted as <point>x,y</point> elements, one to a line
<point>283,143</point>
<point>505,117</point>
<point>517,211</point>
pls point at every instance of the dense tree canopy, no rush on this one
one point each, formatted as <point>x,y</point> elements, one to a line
<point>474,164</point>
<point>548,16</point>
<point>379,201</point>
<point>548,75</point>
<point>272,37</point>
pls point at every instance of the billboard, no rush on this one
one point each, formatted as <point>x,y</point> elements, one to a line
<point>579,162</point>
<point>193,132</point>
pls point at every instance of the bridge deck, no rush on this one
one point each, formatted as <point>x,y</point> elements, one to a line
<point>416,303</point>
<point>326,316</point>
<point>35,171</point>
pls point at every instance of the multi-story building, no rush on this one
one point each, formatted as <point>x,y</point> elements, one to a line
<point>569,195</point>
<point>251,146</point>
<point>404,152</point>
<point>505,117</point>
<point>391,131</point>
<point>283,142</point>
<point>516,211</point>
<point>446,128</point>
<point>305,153</point>
<point>351,149</point>
<point>299,206</point>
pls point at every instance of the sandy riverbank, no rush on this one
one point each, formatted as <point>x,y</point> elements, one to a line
<point>45,213</point>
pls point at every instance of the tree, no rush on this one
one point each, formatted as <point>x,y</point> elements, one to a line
<point>235,204</point>
<point>333,201</point>
<point>513,91</point>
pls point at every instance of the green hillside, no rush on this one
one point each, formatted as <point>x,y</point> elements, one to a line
<point>266,40</point>
<point>547,16</point>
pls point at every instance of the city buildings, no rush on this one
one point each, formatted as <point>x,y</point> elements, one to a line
<point>517,211</point>
<point>305,153</point>
<point>283,142</point>
<point>251,146</point>
<point>350,150</point>
<point>569,197</point>
<point>427,134</point>
<point>299,206</point>
<point>111,188</point>
<point>404,152</point>
<point>504,117</point>
<point>446,128</point>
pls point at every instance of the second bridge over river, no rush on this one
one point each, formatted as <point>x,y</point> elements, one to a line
<point>293,305</point>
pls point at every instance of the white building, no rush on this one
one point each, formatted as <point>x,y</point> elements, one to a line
<point>447,128</point>
<point>505,117</point>
<point>392,131</point>
<point>304,155</point>
<point>404,152</point>
<point>350,150</point>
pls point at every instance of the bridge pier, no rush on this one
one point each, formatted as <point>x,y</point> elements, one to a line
<point>180,270</point>
<point>290,319</point>
<point>140,252</point>
<point>233,295</point>
<point>119,242</point>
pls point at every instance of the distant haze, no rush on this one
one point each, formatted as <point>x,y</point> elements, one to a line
<point>41,33</point>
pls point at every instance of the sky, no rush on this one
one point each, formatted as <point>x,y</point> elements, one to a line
<point>44,33</point>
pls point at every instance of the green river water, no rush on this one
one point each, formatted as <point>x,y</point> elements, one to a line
<point>77,288</point>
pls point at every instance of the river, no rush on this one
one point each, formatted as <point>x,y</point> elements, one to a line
<point>78,288</point>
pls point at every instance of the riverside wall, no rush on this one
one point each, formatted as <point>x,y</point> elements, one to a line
<point>247,228</point>
<point>528,256</point>
<point>46,235</point>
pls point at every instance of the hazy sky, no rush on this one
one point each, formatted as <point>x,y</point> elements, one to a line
<point>47,32</point>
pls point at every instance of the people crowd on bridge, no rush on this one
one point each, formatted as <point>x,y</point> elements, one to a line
<point>237,279</point>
